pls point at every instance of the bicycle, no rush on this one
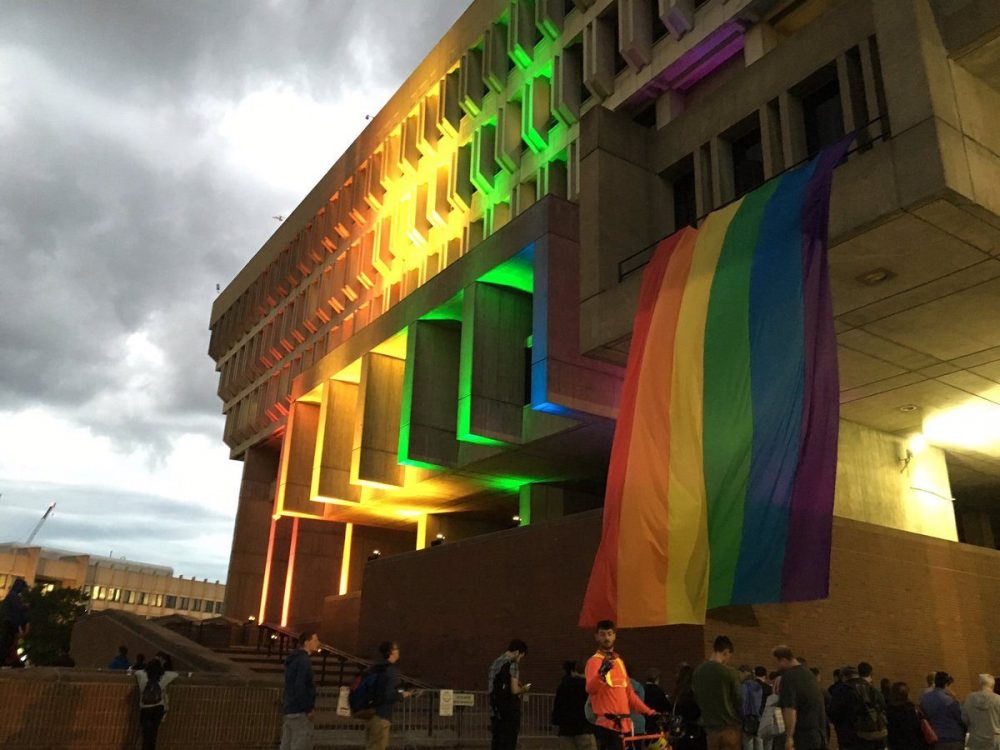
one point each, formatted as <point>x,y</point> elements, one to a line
<point>658,741</point>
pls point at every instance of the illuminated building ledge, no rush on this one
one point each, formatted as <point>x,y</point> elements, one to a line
<point>313,479</point>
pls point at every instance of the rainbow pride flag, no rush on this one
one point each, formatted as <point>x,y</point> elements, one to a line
<point>720,488</point>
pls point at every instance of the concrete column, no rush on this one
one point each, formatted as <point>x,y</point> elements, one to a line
<point>540,502</point>
<point>770,139</point>
<point>635,32</point>
<point>496,322</point>
<point>793,131</point>
<point>978,529</point>
<point>251,531</point>
<point>430,386</point>
<point>677,16</point>
<point>878,483</point>
<point>599,41</point>
<point>298,450</point>
<point>334,443</point>
<point>376,426</point>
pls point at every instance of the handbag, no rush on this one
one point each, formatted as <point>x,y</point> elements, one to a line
<point>927,729</point>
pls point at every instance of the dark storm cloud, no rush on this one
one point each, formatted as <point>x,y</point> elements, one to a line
<point>141,527</point>
<point>117,213</point>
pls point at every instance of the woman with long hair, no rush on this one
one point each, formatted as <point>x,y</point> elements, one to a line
<point>903,720</point>
<point>686,707</point>
<point>153,683</point>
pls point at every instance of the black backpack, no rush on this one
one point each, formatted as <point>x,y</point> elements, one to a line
<point>503,703</point>
<point>869,721</point>
<point>152,694</point>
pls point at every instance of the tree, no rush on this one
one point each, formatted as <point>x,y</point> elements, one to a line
<point>51,613</point>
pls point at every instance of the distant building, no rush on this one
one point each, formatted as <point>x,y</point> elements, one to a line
<point>112,583</point>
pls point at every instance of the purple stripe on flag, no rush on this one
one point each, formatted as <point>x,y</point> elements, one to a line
<point>806,573</point>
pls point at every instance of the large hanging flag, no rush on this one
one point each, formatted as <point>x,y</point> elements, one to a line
<point>720,488</point>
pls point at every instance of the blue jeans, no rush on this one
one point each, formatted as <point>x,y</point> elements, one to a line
<point>297,732</point>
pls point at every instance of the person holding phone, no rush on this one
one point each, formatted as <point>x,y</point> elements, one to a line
<point>505,693</point>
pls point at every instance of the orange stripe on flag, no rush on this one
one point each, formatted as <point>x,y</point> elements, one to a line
<point>644,515</point>
<point>601,599</point>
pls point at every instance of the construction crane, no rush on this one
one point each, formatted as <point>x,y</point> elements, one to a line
<point>38,526</point>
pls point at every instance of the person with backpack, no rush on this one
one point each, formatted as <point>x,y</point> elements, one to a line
<point>153,681</point>
<point>568,710</point>
<point>505,691</point>
<point>374,693</point>
<point>300,695</point>
<point>772,723</point>
<point>858,710</point>
<point>752,692</point>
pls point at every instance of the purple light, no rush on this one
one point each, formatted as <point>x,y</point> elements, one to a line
<point>693,66</point>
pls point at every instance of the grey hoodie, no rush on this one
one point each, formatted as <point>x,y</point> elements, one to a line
<point>981,714</point>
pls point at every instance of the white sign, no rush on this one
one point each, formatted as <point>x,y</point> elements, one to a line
<point>344,702</point>
<point>465,699</point>
<point>446,704</point>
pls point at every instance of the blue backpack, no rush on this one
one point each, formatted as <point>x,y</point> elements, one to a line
<point>364,695</point>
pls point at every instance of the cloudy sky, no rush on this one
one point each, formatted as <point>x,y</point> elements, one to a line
<point>144,148</point>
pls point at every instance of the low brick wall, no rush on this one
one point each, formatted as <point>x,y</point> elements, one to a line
<point>71,709</point>
<point>905,602</point>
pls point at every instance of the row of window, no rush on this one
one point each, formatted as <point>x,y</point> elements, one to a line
<point>143,598</point>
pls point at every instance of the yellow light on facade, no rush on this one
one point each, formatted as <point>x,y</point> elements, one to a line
<point>345,563</point>
<point>974,425</point>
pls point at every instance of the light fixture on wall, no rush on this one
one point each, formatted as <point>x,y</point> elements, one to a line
<point>375,555</point>
<point>438,540</point>
<point>916,444</point>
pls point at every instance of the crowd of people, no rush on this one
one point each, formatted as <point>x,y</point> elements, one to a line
<point>712,706</point>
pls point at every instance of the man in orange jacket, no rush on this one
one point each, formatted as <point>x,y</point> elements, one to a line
<point>610,690</point>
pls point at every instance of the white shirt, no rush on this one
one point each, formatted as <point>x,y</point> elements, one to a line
<point>165,680</point>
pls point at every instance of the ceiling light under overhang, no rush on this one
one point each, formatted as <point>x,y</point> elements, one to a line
<point>875,276</point>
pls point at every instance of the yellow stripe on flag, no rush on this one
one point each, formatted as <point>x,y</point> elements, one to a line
<point>687,545</point>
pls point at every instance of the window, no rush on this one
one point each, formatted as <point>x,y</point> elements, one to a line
<point>822,112</point>
<point>656,23</point>
<point>117,594</point>
<point>748,162</point>
<point>128,597</point>
<point>196,605</point>
<point>86,590</point>
<point>157,600</point>
<point>209,606</point>
<point>170,602</point>
<point>141,598</point>
<point>100,593</point>
<point>218,608</point>
<point>681,179</point>
<point>183,603</point>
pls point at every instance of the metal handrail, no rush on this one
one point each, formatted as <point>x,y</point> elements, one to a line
<point>420,716</point>
<point>287,640</point>
<point>861,133</point>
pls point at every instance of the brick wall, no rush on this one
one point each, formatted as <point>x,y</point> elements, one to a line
<point>907,603</point>
<point>60,709</point>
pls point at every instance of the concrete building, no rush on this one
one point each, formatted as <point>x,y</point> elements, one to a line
<point>113,583</point>
<point>431,346</point>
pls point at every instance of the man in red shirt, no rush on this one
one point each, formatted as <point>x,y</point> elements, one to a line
<point>610,691</point>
